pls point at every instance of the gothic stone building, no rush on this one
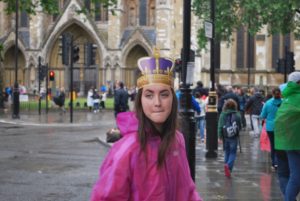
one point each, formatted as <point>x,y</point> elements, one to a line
<point>121,39</point>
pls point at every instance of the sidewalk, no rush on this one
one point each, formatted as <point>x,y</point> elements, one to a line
<point>104,118</point>
<point>57,118</point>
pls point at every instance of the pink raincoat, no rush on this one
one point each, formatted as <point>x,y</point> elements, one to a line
<point>126,176</point>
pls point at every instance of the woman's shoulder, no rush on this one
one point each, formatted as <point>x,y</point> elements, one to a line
<point>179,138</point>
<point>127,145</point>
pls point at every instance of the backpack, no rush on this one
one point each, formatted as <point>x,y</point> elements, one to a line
<point>231,126</point>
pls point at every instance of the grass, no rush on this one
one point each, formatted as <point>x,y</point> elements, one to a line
<point>78,103</point>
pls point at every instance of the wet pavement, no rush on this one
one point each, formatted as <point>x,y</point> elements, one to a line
<point>48,158</point>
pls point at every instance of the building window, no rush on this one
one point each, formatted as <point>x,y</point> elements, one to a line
<point>101,13</point>
<point>240,42</point>
<point>132,13</point>
<point>287,42</point>
<point>275,49</point>
<point>61,4</point>
<point>152,14</point>
<point>250,51</point>
<point>87,4</point>
<point>24,21</point>
<point>143,13</point>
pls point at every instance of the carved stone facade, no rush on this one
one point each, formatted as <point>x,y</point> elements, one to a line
<point>121,39</point>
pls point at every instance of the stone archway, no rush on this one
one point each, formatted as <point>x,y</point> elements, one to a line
<point>9,67</point>
<point>130,71</point>
<point>84,76</point>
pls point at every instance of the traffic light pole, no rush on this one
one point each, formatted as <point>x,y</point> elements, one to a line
<point>40,97</point>
<point>285,64</point>
<point>71,79</point>
<point>16,93</point>
<point>47,87</point>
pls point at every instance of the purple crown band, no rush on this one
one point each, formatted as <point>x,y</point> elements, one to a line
<point>148,65</point>
<point>155,70</point>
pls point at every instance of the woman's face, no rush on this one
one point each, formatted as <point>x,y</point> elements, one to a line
<point>157,103</point>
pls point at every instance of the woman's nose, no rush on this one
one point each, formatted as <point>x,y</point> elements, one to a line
<point>157,100</point>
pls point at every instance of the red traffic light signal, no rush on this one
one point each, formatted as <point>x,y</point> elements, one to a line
<point>51,75</point>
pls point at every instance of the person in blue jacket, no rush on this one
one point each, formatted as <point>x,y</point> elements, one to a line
<point>195,104</point>
<point>268,113</point>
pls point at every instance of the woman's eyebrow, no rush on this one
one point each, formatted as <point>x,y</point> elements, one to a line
<point>148,90</point>
<point>165,90</point>
<point>152,91</point>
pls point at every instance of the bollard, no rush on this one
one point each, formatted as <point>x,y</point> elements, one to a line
<point>212,126</point>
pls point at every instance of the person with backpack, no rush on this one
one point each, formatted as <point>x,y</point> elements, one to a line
<point>229,126</point>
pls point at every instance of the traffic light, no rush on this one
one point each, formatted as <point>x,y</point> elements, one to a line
<point>178,65</point>
<point>42,72</point>
<point>280,65</point>
<point>64,46</point>
<point>90,54</point>
<point>75,54</point>
<point>51,75</point>
<point>290,62</point>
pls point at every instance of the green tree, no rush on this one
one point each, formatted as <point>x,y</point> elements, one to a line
<point>280,16</point>
<point>49,7</point>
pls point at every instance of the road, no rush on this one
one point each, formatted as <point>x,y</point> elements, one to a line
<point>49,163</point>
<point>60,163</point>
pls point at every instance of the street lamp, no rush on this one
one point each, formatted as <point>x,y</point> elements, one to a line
<point>16,94</point>
<point>186,110</point>
<point>211,114</point>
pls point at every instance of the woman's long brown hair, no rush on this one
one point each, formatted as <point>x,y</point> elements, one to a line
<point>146,127</point>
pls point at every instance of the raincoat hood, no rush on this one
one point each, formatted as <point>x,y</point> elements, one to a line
<point>127,123</point>
<point>291,89</point>
<point>287,119</point>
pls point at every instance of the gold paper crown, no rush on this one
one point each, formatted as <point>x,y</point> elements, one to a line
<point>155,70</point>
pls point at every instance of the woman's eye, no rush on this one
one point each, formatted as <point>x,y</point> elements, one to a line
<point>165,95</point>
<point>148,95</point>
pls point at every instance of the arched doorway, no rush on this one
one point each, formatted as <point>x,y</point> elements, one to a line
<point>131,69</point>
<point>9,68</point>
<point>85,75</point>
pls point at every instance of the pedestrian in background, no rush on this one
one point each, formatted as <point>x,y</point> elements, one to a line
<point>253,107</point>
<point>60,100</point>
<point>89,99</point>
<point>96,101</point>
<point>229,94</point>
<point>103,100</point>
<point>120,98</point>
<point>287,138</point>
<point>149,162</point>
<point>268,114</point>
<point>242,101</point>
<point>230,143</point>
<point>200,117</point>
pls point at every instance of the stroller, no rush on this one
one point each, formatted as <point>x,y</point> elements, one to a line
<point>60,101</point>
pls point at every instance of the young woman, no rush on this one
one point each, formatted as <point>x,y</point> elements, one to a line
<point>149,162</point>
<point>268,114</point>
